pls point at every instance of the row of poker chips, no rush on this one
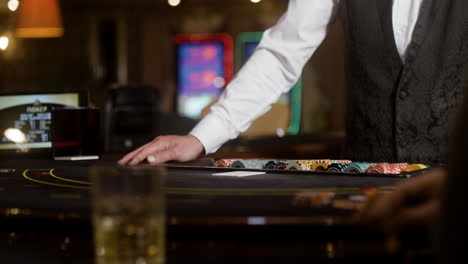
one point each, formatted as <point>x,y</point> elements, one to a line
<point>327,165</point>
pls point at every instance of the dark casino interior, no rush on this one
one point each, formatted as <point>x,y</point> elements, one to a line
<point>85,82</point>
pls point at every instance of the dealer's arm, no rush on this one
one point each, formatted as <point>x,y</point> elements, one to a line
<point>272,70</point>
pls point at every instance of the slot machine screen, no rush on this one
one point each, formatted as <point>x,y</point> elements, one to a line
<point>204,67</point>
<point>26,120</point>
<point>246,43</point>
<point>249,49</point>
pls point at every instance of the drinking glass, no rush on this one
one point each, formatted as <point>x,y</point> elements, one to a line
<point>129,214</point>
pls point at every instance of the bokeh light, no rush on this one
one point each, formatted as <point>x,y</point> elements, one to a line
<point>255,1</point>
<point>173,2</point>
<point>280,132</point>
<point>4,41</point>
<point>15,135</point>
<point>13,5</point>
<point>219,82</point>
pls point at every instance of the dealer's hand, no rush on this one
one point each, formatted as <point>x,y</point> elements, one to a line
<point>165,148</point>
<point>414,203</point>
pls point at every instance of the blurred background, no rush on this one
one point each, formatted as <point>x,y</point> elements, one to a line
<point>178,55</point>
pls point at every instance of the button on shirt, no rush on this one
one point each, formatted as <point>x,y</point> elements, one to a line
<point>277,63</point>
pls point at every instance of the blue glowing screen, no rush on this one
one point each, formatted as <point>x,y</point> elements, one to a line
<point>200,75</point>
<point>249,49</point>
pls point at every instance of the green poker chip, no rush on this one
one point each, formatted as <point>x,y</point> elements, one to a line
<point>358,167</point>
<point>250,164</point>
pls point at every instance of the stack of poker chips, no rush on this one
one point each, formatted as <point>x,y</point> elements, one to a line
<point>281,165</point>
<point>358,167</point>
<point>306,165</point>
<point>387,168</point>
<point>320,166</point>
<point>299,164</point>
<point>251,164</point>
<point>325,165</point>
<point>274,164</point>
<point>225,163</point>
<point>383,168</point>
<point>331,165</point>
<point>312,165</point>
<point>293,165</point>
<point>338,167</point>
<point>415,167</point>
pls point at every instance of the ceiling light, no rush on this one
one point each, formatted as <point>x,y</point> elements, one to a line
<point>173,2</point>
<point>39,19</point>
<point>13,5</point>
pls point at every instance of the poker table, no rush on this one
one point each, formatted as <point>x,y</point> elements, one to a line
<point>45,211</point>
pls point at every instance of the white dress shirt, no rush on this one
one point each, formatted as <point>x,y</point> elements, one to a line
<point>277,63</point>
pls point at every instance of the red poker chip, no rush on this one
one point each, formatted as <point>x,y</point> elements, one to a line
<point>387,168</point>
<point>225,163</point>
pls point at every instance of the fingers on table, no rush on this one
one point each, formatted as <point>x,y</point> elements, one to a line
<point>165,155</point>
<point>123,161</point>
<point>150,153</point>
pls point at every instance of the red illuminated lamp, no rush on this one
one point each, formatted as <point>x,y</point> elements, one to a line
<point>39,19</point>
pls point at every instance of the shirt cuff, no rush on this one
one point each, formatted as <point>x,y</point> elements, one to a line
<point>213,132</point>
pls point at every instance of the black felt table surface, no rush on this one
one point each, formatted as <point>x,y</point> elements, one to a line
<point>190,191</point>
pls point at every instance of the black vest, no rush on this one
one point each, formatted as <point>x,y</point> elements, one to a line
<point>403,111</point>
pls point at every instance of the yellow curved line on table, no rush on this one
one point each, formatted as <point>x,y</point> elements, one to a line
<point>65,179</point>
<point>53,184</point>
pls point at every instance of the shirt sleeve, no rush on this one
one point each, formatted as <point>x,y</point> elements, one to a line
<point>273,69</point>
